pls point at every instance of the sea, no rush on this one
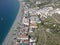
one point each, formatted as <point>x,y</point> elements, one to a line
<point>8,12</point>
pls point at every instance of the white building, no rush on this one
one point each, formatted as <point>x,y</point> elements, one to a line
<point>25,21</point>
<point>32,41</point>
<point>34,19</point>
<point>42,12</point>
<point>38,2</point>
<point>41,1</point>
<point>57,10</point>
<point>48,30</point>
<point>32,11</point>
<point>22,37</point>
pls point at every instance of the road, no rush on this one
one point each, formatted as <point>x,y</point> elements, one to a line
<point>9,40</point>
<point>56,20</point>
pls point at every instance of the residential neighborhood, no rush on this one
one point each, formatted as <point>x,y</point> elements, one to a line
<point>37,23</point>
<point>32,17</point>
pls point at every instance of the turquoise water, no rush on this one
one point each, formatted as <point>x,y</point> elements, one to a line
<point>8,13</point>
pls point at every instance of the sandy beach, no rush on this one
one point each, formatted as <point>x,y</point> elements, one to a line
<point>9,40</point>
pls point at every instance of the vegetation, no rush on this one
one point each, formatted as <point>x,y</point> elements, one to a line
<point>46,38</point>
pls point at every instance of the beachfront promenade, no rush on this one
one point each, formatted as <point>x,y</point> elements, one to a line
<point>9,40</point>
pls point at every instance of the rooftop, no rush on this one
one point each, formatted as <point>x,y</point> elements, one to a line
<point>33,25</point>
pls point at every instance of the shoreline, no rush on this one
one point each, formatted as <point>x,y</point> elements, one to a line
<point>10,37</point>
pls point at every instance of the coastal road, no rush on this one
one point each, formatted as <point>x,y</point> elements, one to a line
<point>9,40</point>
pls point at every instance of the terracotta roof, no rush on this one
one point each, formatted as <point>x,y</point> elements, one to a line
<point>25,41</point>
<point>23,36</point>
